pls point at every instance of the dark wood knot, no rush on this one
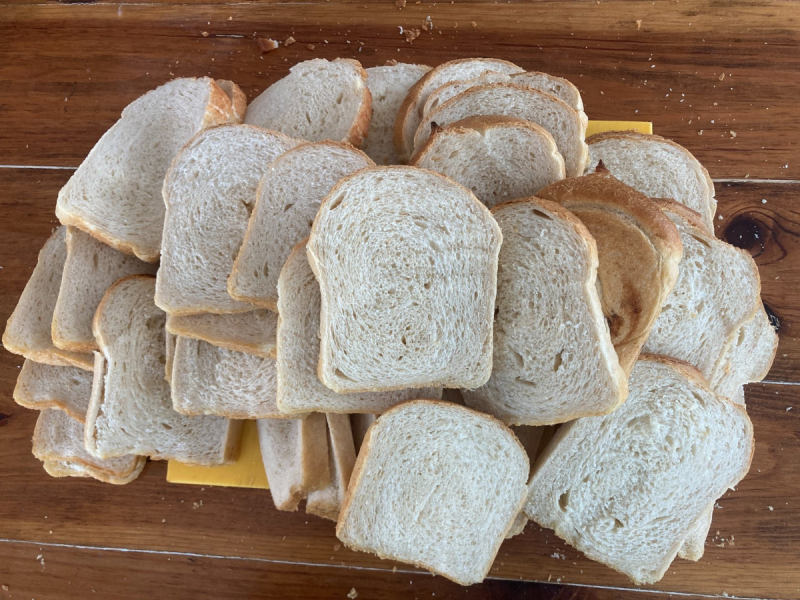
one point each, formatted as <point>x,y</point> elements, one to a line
<point>4,419</point>
<point>747,233</point>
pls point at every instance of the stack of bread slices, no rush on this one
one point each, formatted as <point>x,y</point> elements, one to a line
<point>448,310</point>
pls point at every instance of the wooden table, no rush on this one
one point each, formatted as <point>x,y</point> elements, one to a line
<point>721,78</point>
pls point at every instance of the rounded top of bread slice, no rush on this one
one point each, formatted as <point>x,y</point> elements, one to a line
<point>318,100</point>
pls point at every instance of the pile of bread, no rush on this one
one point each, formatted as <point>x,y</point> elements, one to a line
<point>209,271</point>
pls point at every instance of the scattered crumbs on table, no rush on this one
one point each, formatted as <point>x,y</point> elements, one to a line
<point>638,23</point>
<point>352,594</point>
<point>769,507</point>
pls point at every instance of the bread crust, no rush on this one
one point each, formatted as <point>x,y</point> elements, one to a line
<point>360,127</point>
<point>238,100</point>
<point>175,328</point>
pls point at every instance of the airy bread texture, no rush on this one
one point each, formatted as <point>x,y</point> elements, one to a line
<point>287,201</point>
<point>407,265</point>
<point>115,195</point>
<point>295,455</point>
<point>91,267</point>
<point>327,502</point>
<point>318,100</point>
<point>553,356</point>
<point>209,380</point>
<point>657,167</point>
<point>389,86</point>
<point>436,485</point>
<point>409,115</point>
<point>28,328</point>
<point>209,192</point>
<point>299,388</point>
<point>252,332</point>
<point>626,488</point>
<point>639,250</point>
<point>130,411</point>
<point>565,124</point>
<point>42,386</point>
<point>497,158</point>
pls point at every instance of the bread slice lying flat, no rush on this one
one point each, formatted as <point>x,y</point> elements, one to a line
<point>287,201</point>
<point>639,250</point>
<point>130,411</point>
<point>436,485</point>
<point>28,328</point>
<point>389,86</point>
<point>410,112</point>
<point>553,356</point>
<point>210,191</point>
<point>299,388</point>
<point>359,424</point>
<point>58,437</point>
<point>295,455</point>
<point>626,488</point>
<point>209,380</point>
<point>327,502</point>
<point>42,386</point>
<point>252,332</point>
<point>90,269</point>
<point>71,468</point>
<point>657,167</point>
<point>318,100</point>
<point>115,195</point>
<point>407,265</point>
<point>497,158</point>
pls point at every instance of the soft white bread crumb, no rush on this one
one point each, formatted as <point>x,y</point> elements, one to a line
<point>41,386</point>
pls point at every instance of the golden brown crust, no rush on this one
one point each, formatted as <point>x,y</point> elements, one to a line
<point>238,100</point>
<point>54,469</point>
<point>220,106</point>
<point>360,128</point>
<point>74,220</point>
<point>255,349</point>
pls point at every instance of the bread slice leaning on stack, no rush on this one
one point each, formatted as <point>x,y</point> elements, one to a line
<point>327,502</point>
<point>41,387</point>
<point>252,332</point>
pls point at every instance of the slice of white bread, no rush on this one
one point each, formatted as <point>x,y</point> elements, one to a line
<point>553,356</point>
<point>295,455</point>
<point>497,158</point>
<point>657,167</point>
<point>565,124</point>
<point>252,332</point>
<point>299,388</point>
<point>90,269</point>
<point>287,201</point>
<point>41,386</point>
<point>639,250</point>
<point>209,192</point>
<point>28,328</point>
<point>327,502</point>
<point>69,468</point>
<point>359,424</point>
<point>693,546</point>
<point>130,411</point>
<point>318,100</point>
<point>389,86</point>
<point>209,380</point>
<point>410,113</point>
<point>555,86</point>
<point>625,489</point>
<point>530,438</point>
<point>58,437</point>
<point>407,265</point>
<point>436,485</point>
<point>115,195</point>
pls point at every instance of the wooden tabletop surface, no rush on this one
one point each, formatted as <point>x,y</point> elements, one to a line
<point>721,78</point>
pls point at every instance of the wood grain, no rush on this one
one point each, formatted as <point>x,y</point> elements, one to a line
<point>66,72</point>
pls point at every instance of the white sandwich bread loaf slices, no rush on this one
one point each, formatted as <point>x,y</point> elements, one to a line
<point>90,269</point>
<point>638,248</point>
<point>28,329</point>
<point>693,546</point>
<point>389,86</point>
<point>327,502</point>
<point>436,485</point>
<point>359,424</point>
<point>564,123</point>
<point>41,387</point>
<point>252,332</point>
<point>318,100</point>
<point>209,380</point>
<point>553,356</point>
<point>209,193</point>
<point>115,195</point>
<point>410,112</point>
<point>406,260</point>
<point>287,201</point>
<point>626,489</point>
<point>131,411</point>
<point>496,158</point>
<point>295,455</point>
<point>657,167</point>
<point>71,468</point>
<point>299,388</point>
<point>530,438</point>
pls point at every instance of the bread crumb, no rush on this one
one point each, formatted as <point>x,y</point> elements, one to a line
<point>721,77</point>
<point>310,46</point>
<point>474,24</point>
<point>394,569</point>
<point>204,33</point>
<point>353,594</point>
<point>197,505</point>
<point>733,134</point>
<point>411,35</point>
<point>5,588</point>
<point>700,132</point>
<point>391,63</point>
<point>769,507</point>
<point>336,547</point>
<point>638,23</point>
<point>400,3</point>
<point>266,45</point>
<point>289,41</point>
<point>427,24</point>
